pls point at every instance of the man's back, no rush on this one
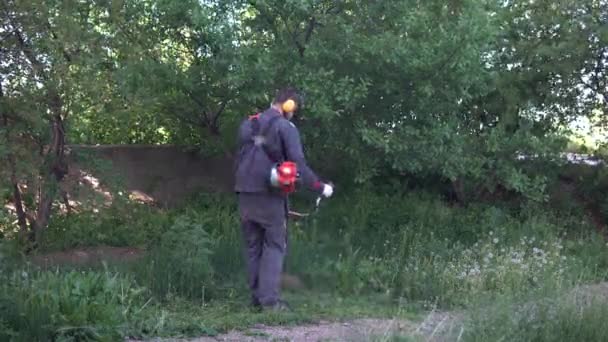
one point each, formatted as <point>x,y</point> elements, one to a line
<point>253,165</point>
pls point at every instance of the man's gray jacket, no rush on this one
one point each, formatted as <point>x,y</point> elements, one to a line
<point>253,164</point>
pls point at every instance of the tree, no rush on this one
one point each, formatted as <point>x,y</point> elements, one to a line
<point>178,64</point>
<point>450,90</point>
<point>48,49</point>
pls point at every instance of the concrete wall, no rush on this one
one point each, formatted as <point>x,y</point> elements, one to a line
<point>164,174</point>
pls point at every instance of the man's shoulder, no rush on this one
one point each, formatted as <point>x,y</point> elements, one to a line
<point>287,127</point>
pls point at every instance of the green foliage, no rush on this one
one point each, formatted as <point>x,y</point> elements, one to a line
<point>424,250</point>
<point>572,316</point>
<point>10,256</point>
<point>121,224</point>
<point>413,246</point>
<point>70,306</point>
<point>445,74</point>
<point>397,92</point>
<point>178,264</point>
<point>590,185</point>
<point>455,92</point>
<point>484,162</point>
<point>391,249</point>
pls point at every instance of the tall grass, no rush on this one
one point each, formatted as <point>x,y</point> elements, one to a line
<point>421,250</point>
<point>72,306</point>
<point>574,316</point>
<point>178,264</point>
<point>413,248</point>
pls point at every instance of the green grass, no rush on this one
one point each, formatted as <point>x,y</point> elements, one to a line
<point>561,317</point>
<point>371,256</point>
<point>103,305</point>
<point>183,318</point>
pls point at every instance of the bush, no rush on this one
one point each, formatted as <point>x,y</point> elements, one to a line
<point>122,224</point>
<point>179,262</point>
<point>419,248</point>
<point>10,256</point>
<point>74,306</point>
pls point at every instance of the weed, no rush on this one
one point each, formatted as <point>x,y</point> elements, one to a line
<point>179,263</point>
<point>373,255</point>
<point>81,306</point>
<point>564,317</point>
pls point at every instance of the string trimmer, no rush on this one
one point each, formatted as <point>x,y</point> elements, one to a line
<point>300,215</point>
<point>292,281</point>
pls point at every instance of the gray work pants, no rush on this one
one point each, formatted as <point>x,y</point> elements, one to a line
<point>264,229</point>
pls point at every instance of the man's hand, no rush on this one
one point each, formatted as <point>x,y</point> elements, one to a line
<point>328,190</point>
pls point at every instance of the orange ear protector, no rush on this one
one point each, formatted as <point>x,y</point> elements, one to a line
<point>289,106</point>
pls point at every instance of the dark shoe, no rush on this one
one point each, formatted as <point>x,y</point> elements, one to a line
<point>255,303</point>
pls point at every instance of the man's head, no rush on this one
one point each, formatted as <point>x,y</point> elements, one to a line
<point>287,101</point>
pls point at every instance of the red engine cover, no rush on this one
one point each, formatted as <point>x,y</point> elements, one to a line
<point>288,174</point>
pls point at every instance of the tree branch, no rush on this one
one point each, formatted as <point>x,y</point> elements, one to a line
<point>311,26</point>
<point>29,53</point>
<point>65,53</point>
<point>214,121</point>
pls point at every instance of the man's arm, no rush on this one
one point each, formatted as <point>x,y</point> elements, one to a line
<point>242,137</point>
<point>294,152</point>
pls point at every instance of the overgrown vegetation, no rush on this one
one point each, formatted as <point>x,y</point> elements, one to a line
<point>422,253</point>
<point>561,317</point>
<point>443,124</point>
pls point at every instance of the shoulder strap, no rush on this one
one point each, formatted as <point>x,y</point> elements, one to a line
<point>270,124</point>
<point>260,139</point>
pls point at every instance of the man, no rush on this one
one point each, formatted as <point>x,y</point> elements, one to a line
<point>263,141</point>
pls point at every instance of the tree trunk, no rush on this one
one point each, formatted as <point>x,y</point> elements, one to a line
<point>12,165</point>
<point>66,202</point>
<point>18,201</point>
<point>458,188</point>
<point>56,170</point>
<point>55,164</point>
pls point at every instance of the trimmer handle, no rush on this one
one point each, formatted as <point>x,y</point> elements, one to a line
<point>295,214</point>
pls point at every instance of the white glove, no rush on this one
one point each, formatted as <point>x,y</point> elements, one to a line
<point>328,190</point>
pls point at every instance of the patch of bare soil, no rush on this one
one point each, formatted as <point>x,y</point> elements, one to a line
<point>87,256</point>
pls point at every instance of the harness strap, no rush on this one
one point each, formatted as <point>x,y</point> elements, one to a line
<point>260,139</point>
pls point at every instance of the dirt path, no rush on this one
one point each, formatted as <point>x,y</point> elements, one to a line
<point>87,256</point>
<point>436,327</point>
<point>432,328</point>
